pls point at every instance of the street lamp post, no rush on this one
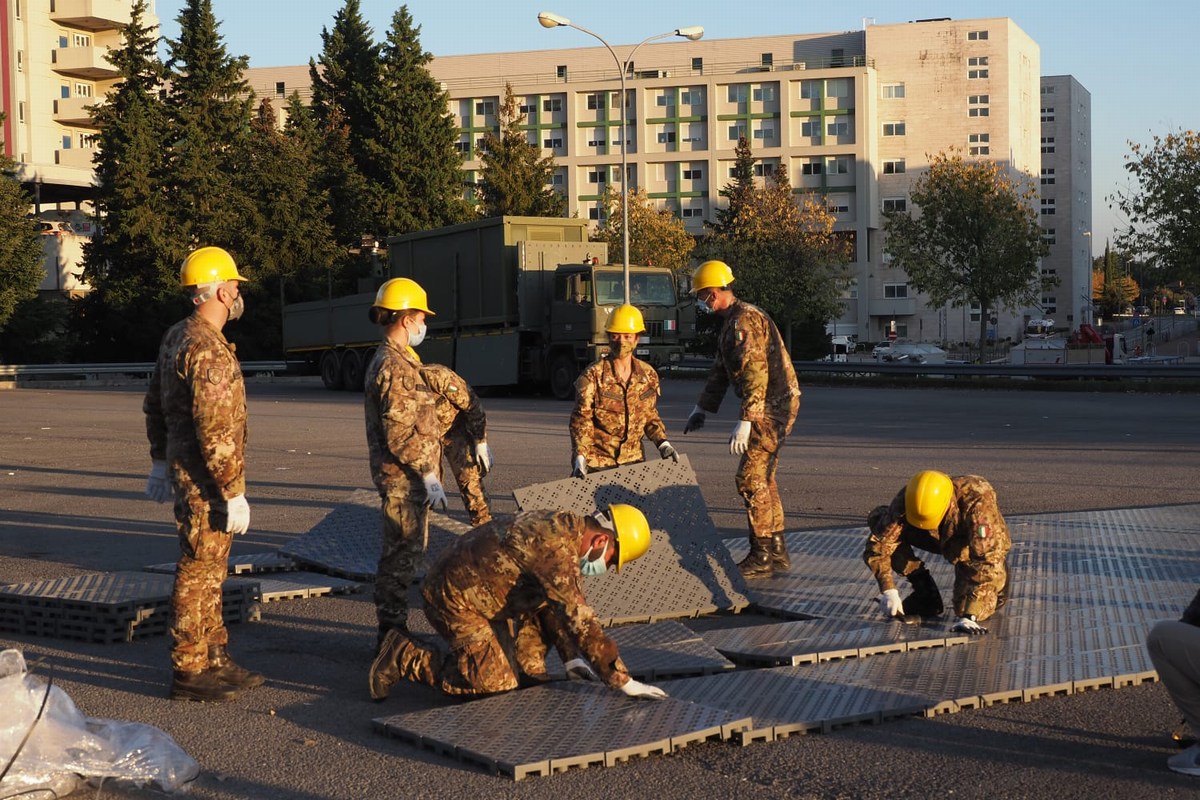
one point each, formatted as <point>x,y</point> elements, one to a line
<point>550,20</point>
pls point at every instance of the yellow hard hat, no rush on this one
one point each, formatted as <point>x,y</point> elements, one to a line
<point>625,319</point>
<point>633,533</point>
<point>711,275</point>
<point>926,499</point>
<point>402,294</point>
<point>208,265</point>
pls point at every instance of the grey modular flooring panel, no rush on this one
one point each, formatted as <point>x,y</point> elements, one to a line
<point>303,585</point>
<point>246,564</point>
<point>347,541</point>
<point>108,607</point>
<point>561,725</point>
<point>809,641</point>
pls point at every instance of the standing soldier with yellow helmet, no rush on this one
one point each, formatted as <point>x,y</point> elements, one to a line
<point>617,403</point>
<point>752,357</point>
<point>503,593</point>
<point>957,517</point>
<point>404,443</point>
<point>195,411</point>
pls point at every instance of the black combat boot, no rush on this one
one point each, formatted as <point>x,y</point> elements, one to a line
<point>224,667</point>
<point>925,600</point>
<point>205,687</point>
<point>759,563</point>
<point>385,669</point>
<point>779,554</point>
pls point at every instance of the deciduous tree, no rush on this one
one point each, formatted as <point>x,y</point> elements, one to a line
<point>20,244</point>
<point>656,236</point>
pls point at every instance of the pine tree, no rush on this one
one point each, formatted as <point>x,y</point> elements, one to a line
<point>422,180</point>
<point>20,245</point>
<point>737,192</point>
<point>132,263</point>
<point>515,176</point>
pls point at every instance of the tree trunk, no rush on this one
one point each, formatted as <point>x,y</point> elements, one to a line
<point>983,325</point>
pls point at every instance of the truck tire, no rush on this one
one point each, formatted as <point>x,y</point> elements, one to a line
<point>352,371</point>
<point>563,373</point>
<point>331,370</point>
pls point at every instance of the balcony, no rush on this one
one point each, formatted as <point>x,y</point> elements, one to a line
<point>73,111</point>
<point>83,62</point>
<point>75,157</point>
<point>894,307</point>
<point>91,15</point>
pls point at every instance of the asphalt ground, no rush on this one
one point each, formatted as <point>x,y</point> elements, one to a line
<point>73,463</point>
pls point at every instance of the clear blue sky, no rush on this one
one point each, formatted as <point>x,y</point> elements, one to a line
<point>1138,59</point>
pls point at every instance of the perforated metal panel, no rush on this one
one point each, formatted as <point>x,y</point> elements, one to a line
<point>246,564</point>
<point>303,585</point>
<point>808,641</point>
<point>658,651</point>
<point>107,607</point>
<point>560,726</point>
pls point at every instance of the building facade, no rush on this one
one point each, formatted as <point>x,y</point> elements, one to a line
<point>53,66</point>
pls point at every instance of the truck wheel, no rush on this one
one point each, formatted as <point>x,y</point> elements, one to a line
<point>563,373</point>
<point>331,372</point>
<point>352,371</point>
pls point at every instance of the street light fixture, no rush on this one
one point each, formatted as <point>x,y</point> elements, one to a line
<point>549,20</point>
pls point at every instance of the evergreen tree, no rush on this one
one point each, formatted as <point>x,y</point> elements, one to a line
<point>132,263</point>
<point>515,176</point>
<point>422,170</point>
<point>20,244</point>
<point>737,192</point>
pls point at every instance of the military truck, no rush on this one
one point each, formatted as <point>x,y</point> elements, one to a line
<point>518,301</point>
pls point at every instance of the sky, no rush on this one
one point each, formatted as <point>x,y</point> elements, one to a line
<point>1138,59</point>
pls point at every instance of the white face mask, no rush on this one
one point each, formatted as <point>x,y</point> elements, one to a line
<point>415,339</point>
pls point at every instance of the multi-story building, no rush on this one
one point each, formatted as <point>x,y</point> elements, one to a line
<point>53,66</point>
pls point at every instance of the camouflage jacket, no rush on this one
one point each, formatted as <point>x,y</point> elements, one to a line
<point>751,356</point>
<point>610,418</point>
<point>513,566</point>
<point>404,439</point>
<point>456,400</point>
<point>972,530</point>
<point>195,409</point>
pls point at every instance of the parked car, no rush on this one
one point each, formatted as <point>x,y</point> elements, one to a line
<point>882,350</point>
<point>916,353</point>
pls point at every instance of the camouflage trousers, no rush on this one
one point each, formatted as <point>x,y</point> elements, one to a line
<point>485,656</point>
<point>405,534</point>
<point>459,450</point>
<point>755,478</point>
<point>196,619</point>
<point>980,566</point>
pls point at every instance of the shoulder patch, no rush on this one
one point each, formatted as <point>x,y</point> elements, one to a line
<point>215,375</point>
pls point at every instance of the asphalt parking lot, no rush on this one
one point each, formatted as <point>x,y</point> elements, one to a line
<point>73,464</point>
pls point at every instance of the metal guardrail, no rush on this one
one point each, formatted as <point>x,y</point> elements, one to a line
<point>1157,368</point>
<point>132,369</point>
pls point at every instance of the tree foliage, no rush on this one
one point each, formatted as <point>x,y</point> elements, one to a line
<point>20,244</point>
<point>785,254</point>
<point>1163,205</point>
<point>1112,289</point>
<point>515,176</point>
<point>976,238</point>
<point>656,236</point>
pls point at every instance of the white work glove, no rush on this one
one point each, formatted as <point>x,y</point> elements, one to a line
<point>158,485</point>
<point>435,495</point>
<point>579,469</point>
<point>483,457</point>
<point>643,690</point>
<point>739,440</point>
<point>666,451</point>
<point>890,603</point>
<point>969,626</point>
<point>237,515</point>
<point>579,669</point>
<point>695,420</point>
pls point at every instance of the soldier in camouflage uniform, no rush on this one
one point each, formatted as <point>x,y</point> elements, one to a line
<point>957,517</point>
<point>404,442</point>
<point>464,437</point>
<point>752,357</point>
<point>503,593</point>
<point>195,411</point>
<point>617,403</point>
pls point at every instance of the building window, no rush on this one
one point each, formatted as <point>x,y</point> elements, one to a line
<point>597,139</point>
<point>838,165</point>
<point>81,40</point>
<point>764,93</point>
<point>596,212</point>
<point>977,36</point>
<point>737,92</point>
<point>975,63</point>
<point>280,89</point>
<point>979,150</point>
<point>64,91</point>
<point>764,169</point>
<point>1047,206</point>
<point>978,144</point>
<point>691,211</point>
<point>976,138</point>
<point>837,87</point>
<point>665,99</point>
<point>811,168</point>
<point>736,132</point>
<point>765,134</point>
<point>895,204</point>
<point>561,72</point>
<point>485,108</point>
<point>693,174</point>
<point>810,90</point>
<point>595,100</point>
<point>83,90</point>
<point>1048,236</point>
<point>1047,113</point>
<point>895,291</point>
<point>557,179</point>
<point>1047,144</point>
<point>20,61</point>
<point>894,166</point>
<point>1047,176</point>
<point>810,128</point>
<point>976,312</point>
<point>692,97</point>
<point>837,206</point>
<point>666,137</point>
<point>977,105</point>
<point>1049,304</point>
<point>21,111</point>
<point>527,108</point>
<point>66,141</point>
<point>552,104</point>
<point>87,141</point>
<point>462,145</point>
<point>838,129</point>
<point>893,129</point>
<point>698,64</point>
<point>553,143</point>
<point>891,91</point>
